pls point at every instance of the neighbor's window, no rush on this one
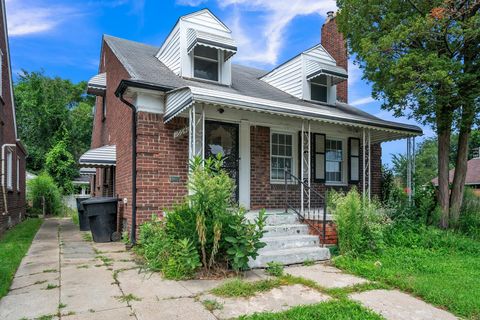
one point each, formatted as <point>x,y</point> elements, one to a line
<point>281,155</point>
<point>205,63</point>
<point>318,88</point>
<point>9,170</point>
<point>334,160</point>
<point>104,107</point>
<point>18,173</point>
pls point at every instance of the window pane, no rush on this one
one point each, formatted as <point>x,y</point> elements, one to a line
<point>319,166</point>
<point>288,140</point>
<point>319,143</point>
<point>206,52</point>
<point>275,149</point>
<point>281,150</point>
<point>275,138</point>
<point>354,147</point>
<point>288,151</point>
<point>206,69</point>
<point>354,172</point>
<point>281,139</point>
<point>318,93</point>
<point>288,163</point>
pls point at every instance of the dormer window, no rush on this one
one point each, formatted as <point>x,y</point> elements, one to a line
<point>205,63</point>
<point>319,88</point>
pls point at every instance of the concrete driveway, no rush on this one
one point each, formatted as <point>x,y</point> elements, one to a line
<point>65,275</point>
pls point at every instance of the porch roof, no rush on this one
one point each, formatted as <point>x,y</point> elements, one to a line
<point>105,156</point>
<point>181,99</point>
<point>97,84</point>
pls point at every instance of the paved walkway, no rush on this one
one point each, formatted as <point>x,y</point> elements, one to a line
<point>65,276</point>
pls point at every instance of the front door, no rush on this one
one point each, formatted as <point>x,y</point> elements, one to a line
<point>221,137</point>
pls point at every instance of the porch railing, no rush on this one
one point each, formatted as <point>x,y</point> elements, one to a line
<point>310,214</point>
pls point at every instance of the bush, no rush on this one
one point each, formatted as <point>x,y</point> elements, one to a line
<point>469,222</point>
<point>44,187</point>
<point>60,164</point>
<point>207,225</point>
<point>274,269</point>
<point>359,225</point>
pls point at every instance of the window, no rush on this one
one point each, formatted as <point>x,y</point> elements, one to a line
<point>205,63</point>
<point>334,161</point>
<point>318,88</point>
<point>18,173</point>
<point>104,107</point>
<point>9,170</point>
<point>354,159</point>
<point>281,155</point>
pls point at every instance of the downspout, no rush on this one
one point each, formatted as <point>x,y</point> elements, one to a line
<point>3,175</point>
<point>133,231</point>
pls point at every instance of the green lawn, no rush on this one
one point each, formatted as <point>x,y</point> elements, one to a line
<point>13,246</point>
<point>441,267</point>
<point>335,309</point>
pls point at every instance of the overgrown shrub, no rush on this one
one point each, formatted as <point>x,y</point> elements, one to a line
<point>208,227</point>
<point>274,269</point>
<point>359,223</point>
<point>469,222</point>
<point>44,187</point>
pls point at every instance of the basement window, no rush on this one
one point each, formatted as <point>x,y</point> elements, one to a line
<point>205,63</point>
<point>318,88</point>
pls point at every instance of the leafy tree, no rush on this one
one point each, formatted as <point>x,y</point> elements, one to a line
<point>47,107</point>
<point>422,59</point>
<point>61,166</point>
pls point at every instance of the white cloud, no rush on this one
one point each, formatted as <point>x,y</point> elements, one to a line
<point>264,46</point>
<point>190,3</point>
<point>362,101</point>
<point>29,17</point>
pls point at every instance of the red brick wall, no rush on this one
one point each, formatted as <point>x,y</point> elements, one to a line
<point>331,237</point>
<point>16,203</point>
<point>162,165</point>
<point>114,129</point>
<point>267,195</point>
<point>333,41</point>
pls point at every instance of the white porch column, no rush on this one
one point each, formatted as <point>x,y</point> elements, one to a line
<point>244,166</point>
<point>409,169</point>
<point>196,133</point>
<point>305,166</point>
<point>366,165</point>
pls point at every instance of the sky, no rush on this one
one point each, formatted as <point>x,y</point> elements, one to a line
<point>63,38</point>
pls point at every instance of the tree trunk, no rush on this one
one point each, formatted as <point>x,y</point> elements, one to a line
<point>458,186</point>
<point>444,132</point>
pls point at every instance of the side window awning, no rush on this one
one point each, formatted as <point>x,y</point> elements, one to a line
<point>105,156</point>
<point>97,85</point>
<point>315,69</point>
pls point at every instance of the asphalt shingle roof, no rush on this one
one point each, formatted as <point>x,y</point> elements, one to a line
<point>140,62</point>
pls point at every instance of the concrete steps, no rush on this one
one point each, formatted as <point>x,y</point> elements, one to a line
<point>288,241</point>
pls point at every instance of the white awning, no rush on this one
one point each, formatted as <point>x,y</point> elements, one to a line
<point>105,156</point>
<point>97,84</point>
<point>196,37</point>
<point>315,69</point>
<point>179,100</point>
<point>88,171</point>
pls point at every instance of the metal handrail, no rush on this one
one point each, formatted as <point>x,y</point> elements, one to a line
<point>289,176</point>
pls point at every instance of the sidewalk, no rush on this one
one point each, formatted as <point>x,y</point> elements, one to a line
<point>66,276</point>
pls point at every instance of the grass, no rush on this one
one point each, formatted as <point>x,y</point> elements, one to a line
<point>128,298</point>
<point>13,246</point>
<point>443,268</point>
<point>211,305</point>
<point>87,236</point>
<point>240,288</point>
<point>334,309</point>
<point>51,286</point>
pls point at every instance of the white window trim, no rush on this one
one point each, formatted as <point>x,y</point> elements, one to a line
<point>294,156</point>
<point>18,173</point>
<point>344,181</point>
<point>9,175</point>
<point>220,66</point>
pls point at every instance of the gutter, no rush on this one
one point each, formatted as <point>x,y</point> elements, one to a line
<point>4,191</point>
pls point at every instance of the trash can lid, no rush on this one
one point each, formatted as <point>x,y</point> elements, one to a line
<point>99,200</point>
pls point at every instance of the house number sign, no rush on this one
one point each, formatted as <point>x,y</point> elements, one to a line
<point>180,132</point>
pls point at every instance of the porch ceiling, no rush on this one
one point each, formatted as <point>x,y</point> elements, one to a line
<point>181,99</point>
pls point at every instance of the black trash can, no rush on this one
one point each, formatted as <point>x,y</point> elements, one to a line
<point>82,215</point>
<point>102,215</point>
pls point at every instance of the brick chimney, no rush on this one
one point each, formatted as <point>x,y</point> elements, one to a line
<point>332,40</point>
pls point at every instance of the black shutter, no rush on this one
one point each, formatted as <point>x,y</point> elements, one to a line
<point>318,157</point>
<point>353,160</point>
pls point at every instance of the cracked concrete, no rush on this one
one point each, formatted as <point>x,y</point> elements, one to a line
<point>67,277</point>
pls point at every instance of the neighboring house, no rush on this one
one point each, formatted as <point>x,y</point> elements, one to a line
<point>12,199</point>
<point>472,179</point>
<point>189,99</point>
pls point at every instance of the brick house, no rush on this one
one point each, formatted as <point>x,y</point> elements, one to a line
<point>12,199</point>
<point>186,98</point>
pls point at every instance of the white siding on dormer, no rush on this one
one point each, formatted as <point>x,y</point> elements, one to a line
<point>169,53</point>
<point>288,77</point>
<point>207,19</point>
<point>320,54</point>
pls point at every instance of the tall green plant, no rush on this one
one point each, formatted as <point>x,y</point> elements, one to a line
<point>43,190</point>
<point>359,224</point>
<point>61,166</point>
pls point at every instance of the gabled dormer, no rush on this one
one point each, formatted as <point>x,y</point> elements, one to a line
<point>311,75</point>
<point>199,46</point>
